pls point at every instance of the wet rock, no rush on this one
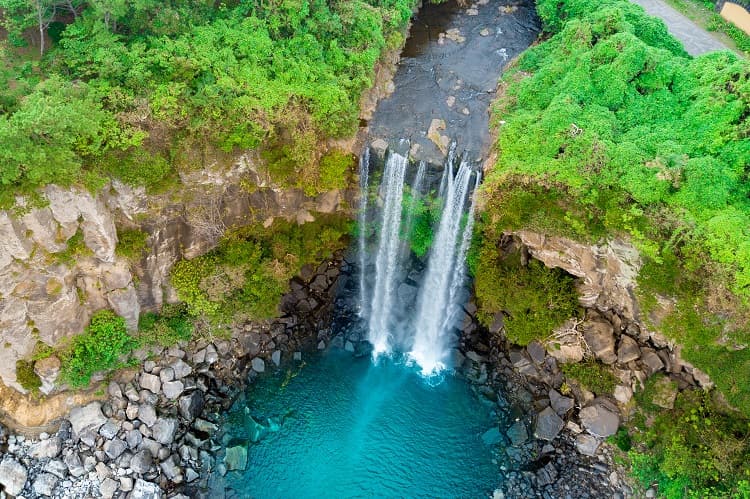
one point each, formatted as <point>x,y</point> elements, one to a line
<point>628,350</point>
<point>258,365</point>
<point>145,490</point>
<point>46,448</point>
<point>586,444</point>
<point>492,436</point>
<point>236,458</point>
<point>44,484</point>
<point>599,421</point>
<point>548,424</point>
<point>190,406</point>
<point>88,417</point>
<point>12,476</point>
<point>164,430</point>
<point>276,357</point>
<point>517,433</point>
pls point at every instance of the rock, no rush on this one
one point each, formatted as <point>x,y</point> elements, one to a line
<point>599,421</point>
<point>236,458</point>
<point>561,405</point>
<point>181,369</point>
<point>651,360</point>
<point>623,394</point>
<point>349,346</point>
<point>587,444</point>
<point>536,352</point>
<point>89,417</point>
<point>74,464</point>
<point>46,448</point>
<point>517,433</point>
<point>566,347</point>
<point>484,32</point>
<point>276,357</point>
<point>205,426</point>
<point>258,365</point>
<point>702,378</point>
<point>191,475</point>
<point>664,393</point>
<point>48,370</point>
<point>108,488</point>
<point>548,424</point>
<point>147,414</point>
<point>190,406</point>
<point>45,484</point>
<point>628,350</point>
<point>166,374</point>
<point>142,461</point>
<point>109,430</point>
<point>150,382</point>
<point>145,490</point>
<point>321,345</point>
<point>599,336</point>
<point>164,430</point>
<point>492,436</point>
<point>12,476</point>
<point>114,448</point>
<point>126,483</point>
<point>173,389</point>
<point>57,468</point>
<point>134,439</point>
<point>171,470</point>
<point>297,356</point>
<point>433,133</point>
<point>379,146</point>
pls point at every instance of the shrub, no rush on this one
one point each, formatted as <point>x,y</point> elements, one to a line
<point>76,249</point>
<point>131,243</point>
<point>423,213</point>
<point>171,326</point>
<point>99,348</point>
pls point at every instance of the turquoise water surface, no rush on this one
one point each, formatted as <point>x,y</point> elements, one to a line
<point>342,426</point>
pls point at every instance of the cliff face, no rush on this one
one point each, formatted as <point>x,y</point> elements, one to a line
<point>49,293</point>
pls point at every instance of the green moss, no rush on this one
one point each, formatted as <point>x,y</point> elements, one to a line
<point>592,375</point>
<point>533,298</point>
<point>26,376</point>
<point>335,170</point>
<point>76,248</point>
<point>131,243</point>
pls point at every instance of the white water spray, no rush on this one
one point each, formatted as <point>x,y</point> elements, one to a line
<point>386,263</point>
<point>364,174</point>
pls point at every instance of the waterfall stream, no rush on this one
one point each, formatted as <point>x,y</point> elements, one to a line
<point>427,335</point>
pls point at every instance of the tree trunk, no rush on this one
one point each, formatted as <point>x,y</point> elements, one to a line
<point>40,17</point>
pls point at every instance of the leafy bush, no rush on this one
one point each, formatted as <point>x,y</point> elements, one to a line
<point>99,348</point>
<point>592,375</point>
<point>249,271</point>
<point>424,213</point>
<point>695,450</point>
<point>131,243</point>
<point>171,326</point>
<point>533,298</point>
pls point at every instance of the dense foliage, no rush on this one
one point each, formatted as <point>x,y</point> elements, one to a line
<point>532,298</point>
<point>142,83</point>
<point>247,274</point>
<point>421,214</point>
<point>621,134</point>
<point>591,375</point>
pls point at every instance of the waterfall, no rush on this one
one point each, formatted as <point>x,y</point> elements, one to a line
<point>364,173</point>
<point>445,273</point>
<point>386,262</point>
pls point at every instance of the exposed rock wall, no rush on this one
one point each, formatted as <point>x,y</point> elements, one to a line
<point>45,298</point>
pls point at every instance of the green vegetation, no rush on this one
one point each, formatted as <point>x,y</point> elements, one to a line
<point>26,376</point>
<point>533,298</point>
<point>697,449</point>
<point>76,248</point>
<point>591,375</point>
<point>249,271</point>
<point>102,347</point>
<point>129,89</point>
<point>424,211</point>
<point>171,326</point>
<point>131,243</point>
<point>621,134</point>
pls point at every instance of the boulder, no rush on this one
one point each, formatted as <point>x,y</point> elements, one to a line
<point>108,488</point>
<point>180,369</point>
<point>236,458</point>
<point>492,436</point>
<point>517,433</point>
<point>145,490</point>
<point>599,421</point>
<point>142,461</point>
<point>536,352</point>
<point>623,394</point>
<point>164,430</point>
<point>548,424</point>
<point>258,365</point>
<point>560,404</point>
<point>114,448</point>
<point>109,430</point>
<point>151,383</point>
<point>46,448</point>
<point>628,350</point>
<point>652,361</point>
<point>88,417</point>
<point>600,338</point>
<point>48,370</point>
<point>134,439</point>
<point>276,357</point>
<point>664,393</point>
<point>12,476</point>
<point>45,484</point>
<point>587,444</point>
<point>190,406</point>
<point>74,464</point>
<point>147,414</point>
<point>173,389</point>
